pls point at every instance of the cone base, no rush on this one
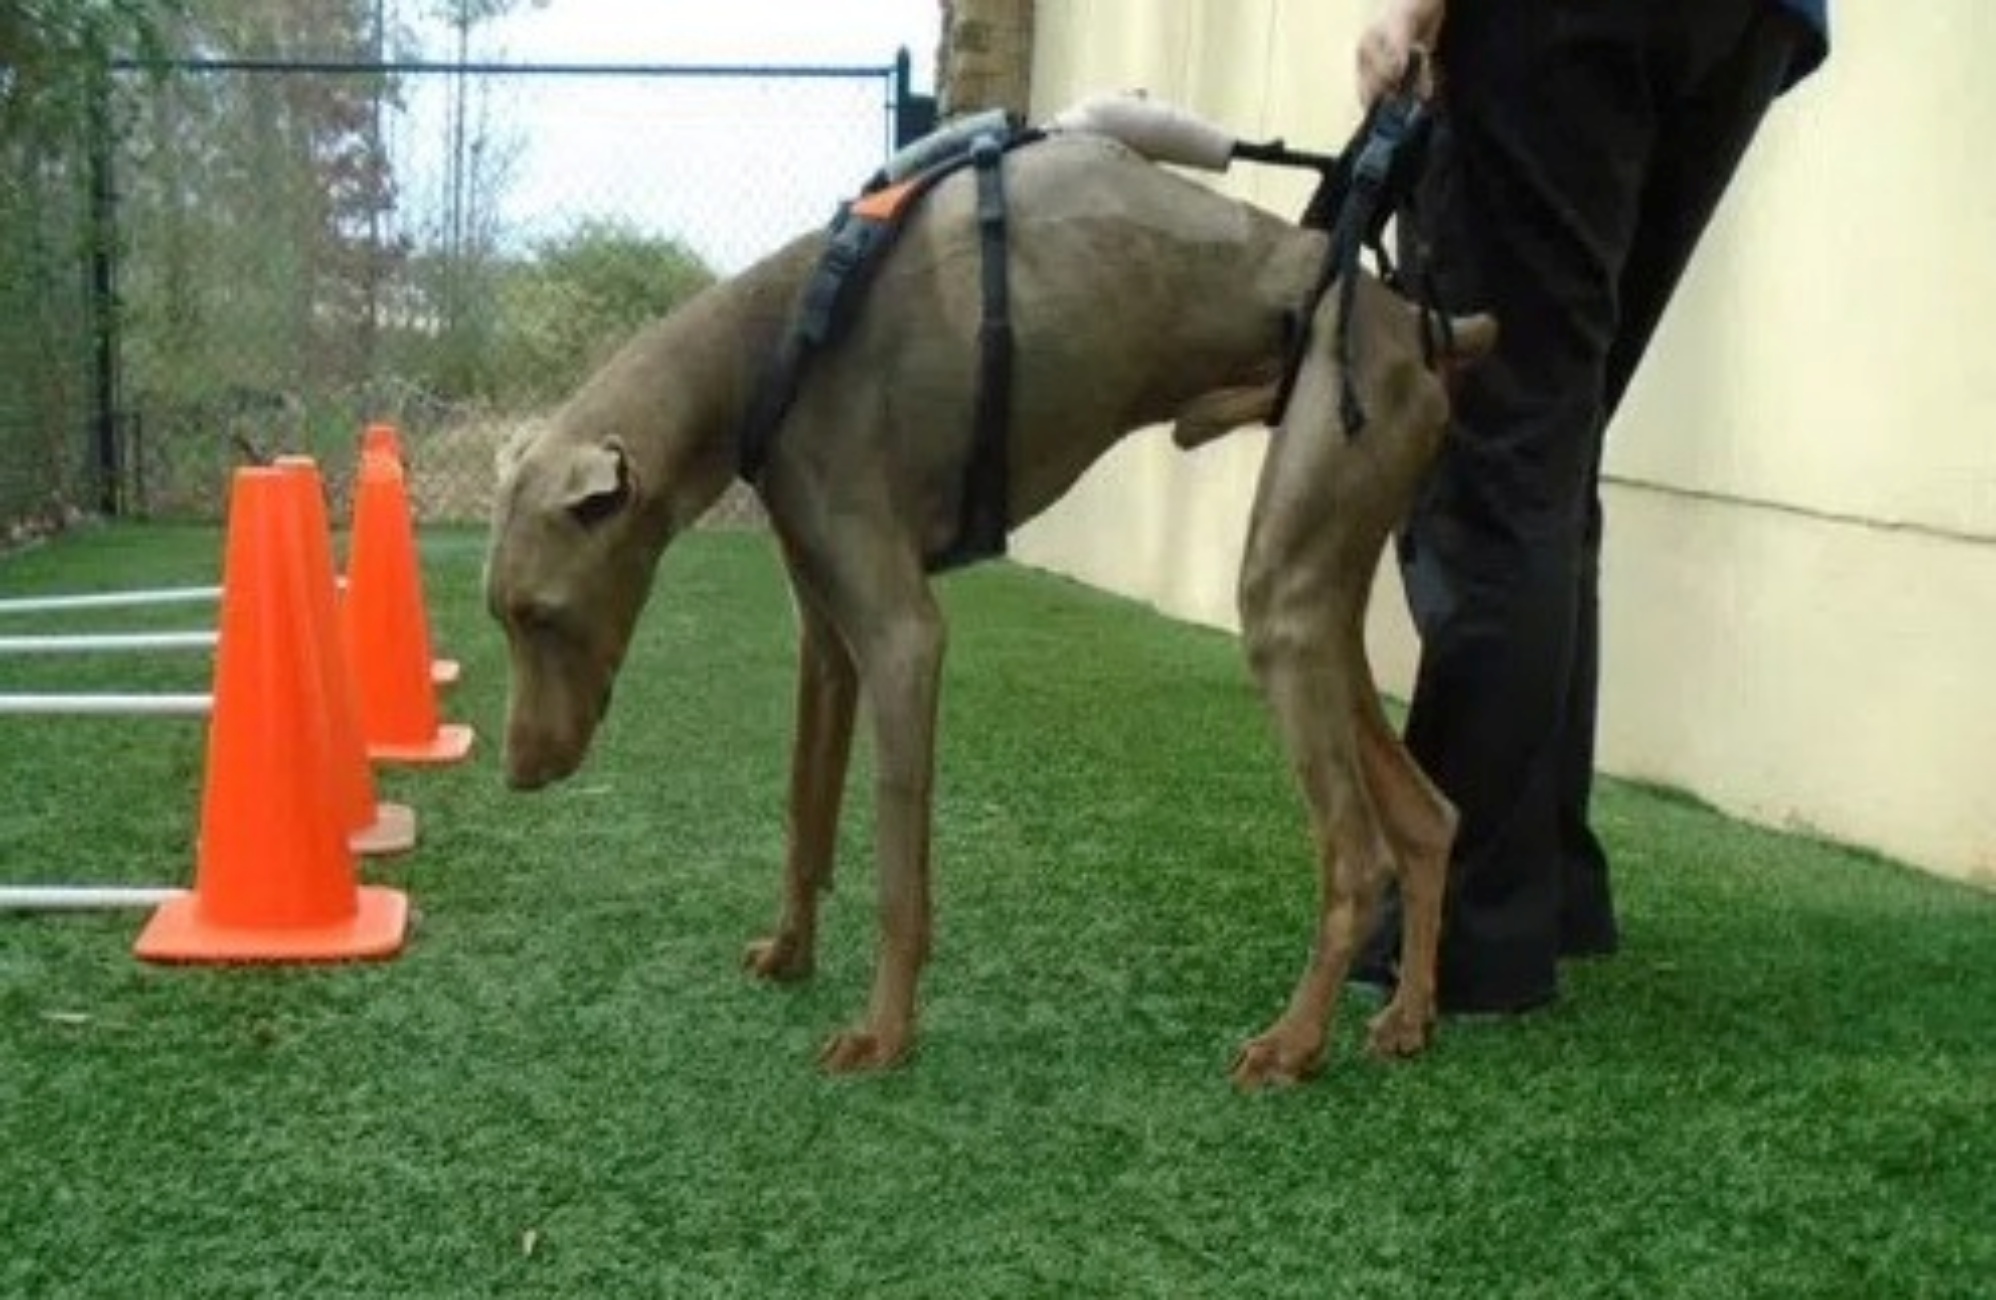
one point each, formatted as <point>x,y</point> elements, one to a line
<point>178,933</point>
<point>445,672</point>
<point>393,831</point>
<point>451,744</point>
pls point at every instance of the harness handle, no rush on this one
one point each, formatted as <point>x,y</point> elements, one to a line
<point>1372,181</point>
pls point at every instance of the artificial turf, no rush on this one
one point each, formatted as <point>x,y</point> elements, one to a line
<point>1785,1085</point>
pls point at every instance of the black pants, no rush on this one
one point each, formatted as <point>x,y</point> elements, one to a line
<point>1582,145</point>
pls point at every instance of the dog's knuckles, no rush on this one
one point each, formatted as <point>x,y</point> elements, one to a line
<point>1399,1031</point>
<point>779,960</point>
<point>1272,1061</point>
<point>861,1052</point>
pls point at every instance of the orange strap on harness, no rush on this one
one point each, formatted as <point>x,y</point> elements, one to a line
<point>861,235</point>
<point>888,204</point>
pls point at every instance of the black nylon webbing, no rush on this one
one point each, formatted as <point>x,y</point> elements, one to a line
<point>1373,180</point>
<point>985,515</point>
<point>830,297</point>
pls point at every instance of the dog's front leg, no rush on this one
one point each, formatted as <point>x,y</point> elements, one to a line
<point>827,691</point>
<point>900,652</point>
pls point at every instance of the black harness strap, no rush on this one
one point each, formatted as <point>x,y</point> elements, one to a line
<point>824,309</point>
<point>1372,181</point>
<point>986,513</point>
<point>1361,190</point>
<point>861,235</point>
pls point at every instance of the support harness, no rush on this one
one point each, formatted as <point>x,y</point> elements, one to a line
<point>861,235</point>
<point>1360,191</point>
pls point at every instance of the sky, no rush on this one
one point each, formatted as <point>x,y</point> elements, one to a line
<point>733,167</point>
<point>726,31</point>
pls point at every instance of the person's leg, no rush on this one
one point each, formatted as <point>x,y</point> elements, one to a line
<point>1531,202</point>
<point>1703,134</point>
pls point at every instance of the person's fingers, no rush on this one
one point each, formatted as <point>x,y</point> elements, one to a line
<point>1420,62</point>
<point>1382,61</point>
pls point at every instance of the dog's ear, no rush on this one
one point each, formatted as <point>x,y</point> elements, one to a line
<point>513,448</point>
<point>599,483</point>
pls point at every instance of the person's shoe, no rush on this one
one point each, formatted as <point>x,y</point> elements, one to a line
<point>1456,1000</point>
<point>1584,947</point>
<point>1587,926</point>
<point>1373,979</point>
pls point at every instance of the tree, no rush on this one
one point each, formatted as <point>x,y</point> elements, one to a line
<point>53,55</point>
<point>475,173</point>
<point>48,48</point>
<point>578,297</point>
<point>257,201</point>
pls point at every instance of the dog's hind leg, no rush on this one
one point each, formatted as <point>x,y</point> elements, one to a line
<point>1420,823</point>
<point>1295,652</point>
<point>827,693</point>
<point>1322,512</point>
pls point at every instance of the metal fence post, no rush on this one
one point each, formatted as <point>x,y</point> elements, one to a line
<point>104,292</point>
<point>914,115</point>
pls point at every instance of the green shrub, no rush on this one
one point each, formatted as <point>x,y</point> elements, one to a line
<point>561,312</point>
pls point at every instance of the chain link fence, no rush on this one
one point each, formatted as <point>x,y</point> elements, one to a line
<point>47,331</point>
<point>305,248</point>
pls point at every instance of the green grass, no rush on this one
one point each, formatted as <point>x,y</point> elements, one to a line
<point>1785,1086</point>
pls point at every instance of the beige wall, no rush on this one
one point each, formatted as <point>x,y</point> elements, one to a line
<point>1801,564</point>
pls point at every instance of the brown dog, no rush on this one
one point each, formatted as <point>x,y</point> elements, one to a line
<point>1138,297</point>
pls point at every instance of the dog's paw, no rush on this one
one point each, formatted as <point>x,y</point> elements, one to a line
<point>1271,1061</point>
<point>781,959</point>
<point>1400,1030</point>
<point>858,1051</point>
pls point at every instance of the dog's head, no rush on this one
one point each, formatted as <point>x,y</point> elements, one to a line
<point>566,576</point>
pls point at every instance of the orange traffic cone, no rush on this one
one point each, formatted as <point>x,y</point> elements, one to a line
<point>274,877</point>
<point>387,631</point>
<point>381,439</point>
<point>374,827</point>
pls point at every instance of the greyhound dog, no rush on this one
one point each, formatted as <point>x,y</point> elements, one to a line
<point>1139,296</point>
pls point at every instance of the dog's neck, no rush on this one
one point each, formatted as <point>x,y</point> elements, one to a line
<point>678,393</point>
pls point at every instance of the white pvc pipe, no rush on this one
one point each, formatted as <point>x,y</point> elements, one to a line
<point>122,599</point>
<point>80,898</point>
<point>112,642</point>
<point>112,600</point>
<point>144,706</point>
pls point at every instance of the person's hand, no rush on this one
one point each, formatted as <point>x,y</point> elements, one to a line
<point>1396,31</point>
